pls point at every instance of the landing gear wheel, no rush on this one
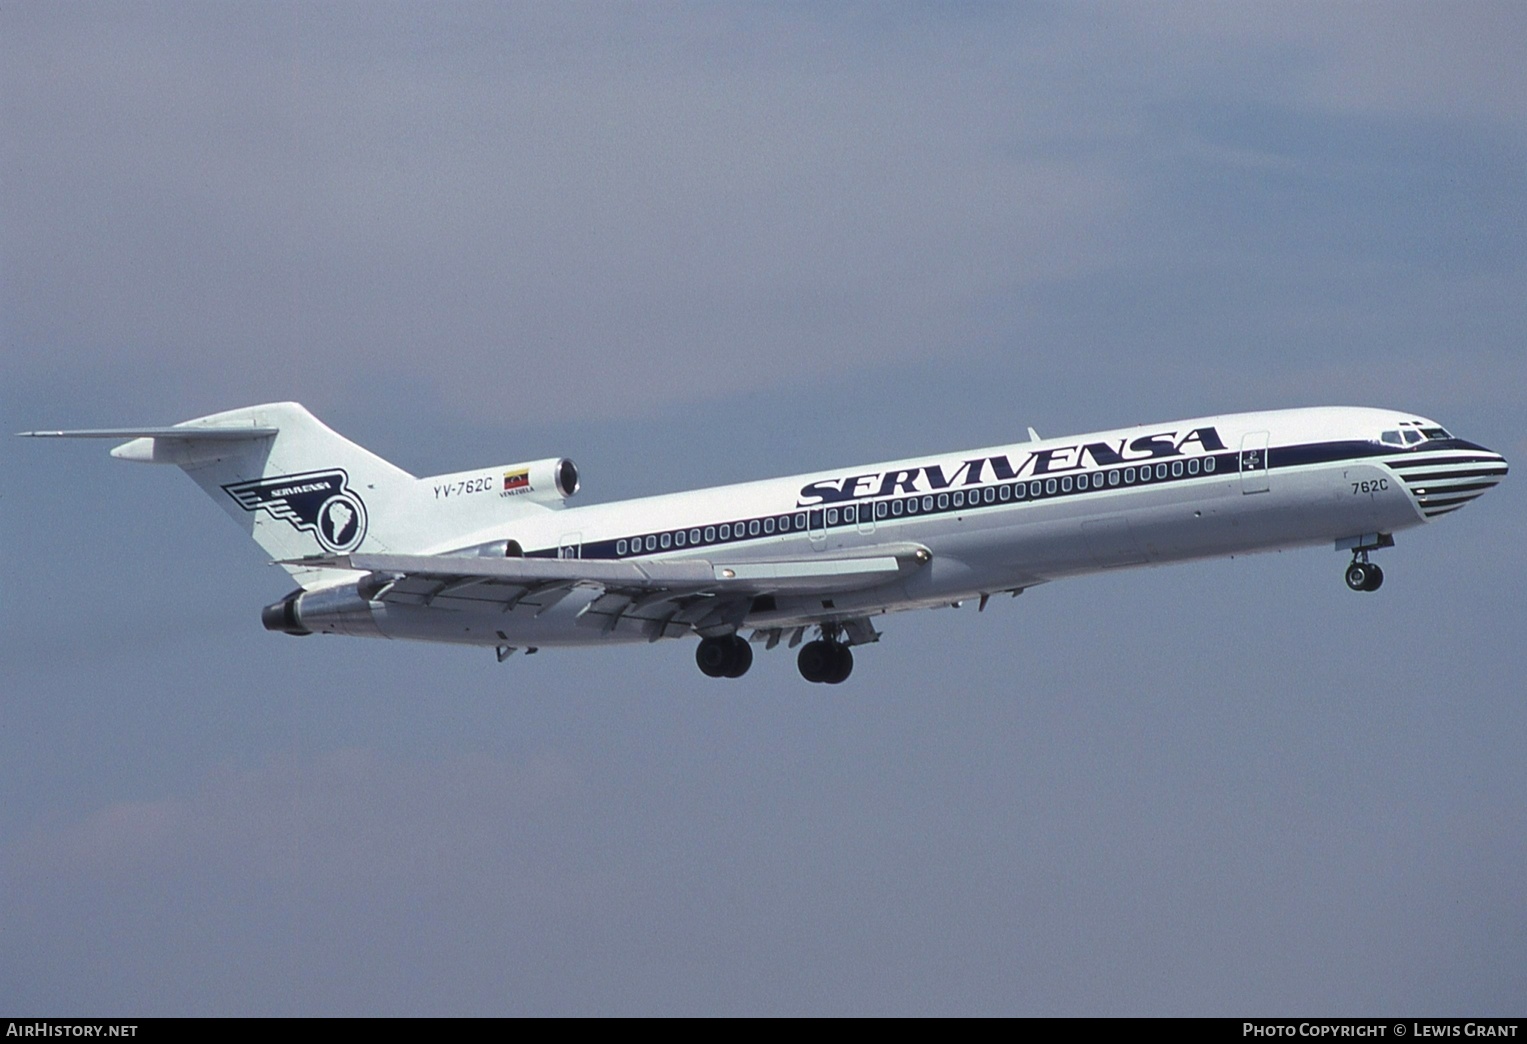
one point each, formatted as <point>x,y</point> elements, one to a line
<point>1364,576</point>
<point>824,661</point>
<point>815,660</point>
<point>725,657</point>
<point>843,665</point>
<point>742,657</point>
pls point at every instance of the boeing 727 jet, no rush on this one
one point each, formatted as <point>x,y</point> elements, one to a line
<point>496,557</point>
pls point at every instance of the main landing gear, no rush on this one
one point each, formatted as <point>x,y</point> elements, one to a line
<point>729,656</point>
<point>1363,575</point>
<point>825,661</point>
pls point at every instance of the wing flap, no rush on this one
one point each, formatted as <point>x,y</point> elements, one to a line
<point>655,598</point>
<point>427,578</point>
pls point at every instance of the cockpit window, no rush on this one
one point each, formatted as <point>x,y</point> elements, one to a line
<point>1410,433</point>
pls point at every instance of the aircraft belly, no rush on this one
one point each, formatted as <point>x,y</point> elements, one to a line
<point>1142,526</point>
<point>1302,508</point>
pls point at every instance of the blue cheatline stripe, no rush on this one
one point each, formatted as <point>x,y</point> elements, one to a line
<point>1134,475</point>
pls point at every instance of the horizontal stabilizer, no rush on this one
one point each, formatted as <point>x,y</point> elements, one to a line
<point>154,433</point>
<point>185,445</point>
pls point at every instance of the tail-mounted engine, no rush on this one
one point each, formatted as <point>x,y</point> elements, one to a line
<point>547,482</point>
<point>544,481</point>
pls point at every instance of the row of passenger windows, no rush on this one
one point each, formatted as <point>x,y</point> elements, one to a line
<point>927,504</point>
<point>712,534</point>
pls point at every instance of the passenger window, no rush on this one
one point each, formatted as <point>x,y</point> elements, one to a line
<point>665,540</point>
<point>620,547</point>
<point>1193,466</point>
<point>1050,486</point>
<point>896,508</point>
<point>768,525</point>
<point>1161,471</point>
<point>1113,478</point>
<point>678,539</point>
<point>753,528</point>
<point>1208,465</point>
<point>927,503</point>
<point>726,531</point>
<point>652,543</point>
<point>694,536</point>
<point>1177,469</point>
<point>710,534</point>
<point>800,521</point>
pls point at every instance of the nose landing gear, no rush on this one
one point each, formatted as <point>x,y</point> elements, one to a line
<point>1363,575</point>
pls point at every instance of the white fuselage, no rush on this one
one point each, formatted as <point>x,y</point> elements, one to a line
<point>996,519</point>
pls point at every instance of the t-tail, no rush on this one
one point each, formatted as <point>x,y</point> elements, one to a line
<point>302,490</point>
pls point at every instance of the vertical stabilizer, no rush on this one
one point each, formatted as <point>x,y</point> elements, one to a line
<point>292,483</point>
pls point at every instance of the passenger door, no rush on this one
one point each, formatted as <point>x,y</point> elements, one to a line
<point>1254,462</point>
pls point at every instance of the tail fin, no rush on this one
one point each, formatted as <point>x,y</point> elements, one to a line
<point>293,484</point>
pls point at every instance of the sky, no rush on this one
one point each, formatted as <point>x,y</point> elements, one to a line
<point>692,244</point>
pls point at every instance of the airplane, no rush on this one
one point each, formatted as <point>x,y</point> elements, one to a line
<point>496,557</point>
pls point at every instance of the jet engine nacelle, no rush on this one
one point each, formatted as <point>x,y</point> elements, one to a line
<point>334,610</point>
<point>549,481</point>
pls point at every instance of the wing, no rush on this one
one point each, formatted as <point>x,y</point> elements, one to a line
<point>661,598</point>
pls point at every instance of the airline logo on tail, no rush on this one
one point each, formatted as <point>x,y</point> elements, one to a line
<point>317,502</point>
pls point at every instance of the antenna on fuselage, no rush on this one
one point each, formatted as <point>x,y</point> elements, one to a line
<point>1034,436</point>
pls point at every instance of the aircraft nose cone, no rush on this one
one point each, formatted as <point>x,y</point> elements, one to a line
<point>1446,480</point>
